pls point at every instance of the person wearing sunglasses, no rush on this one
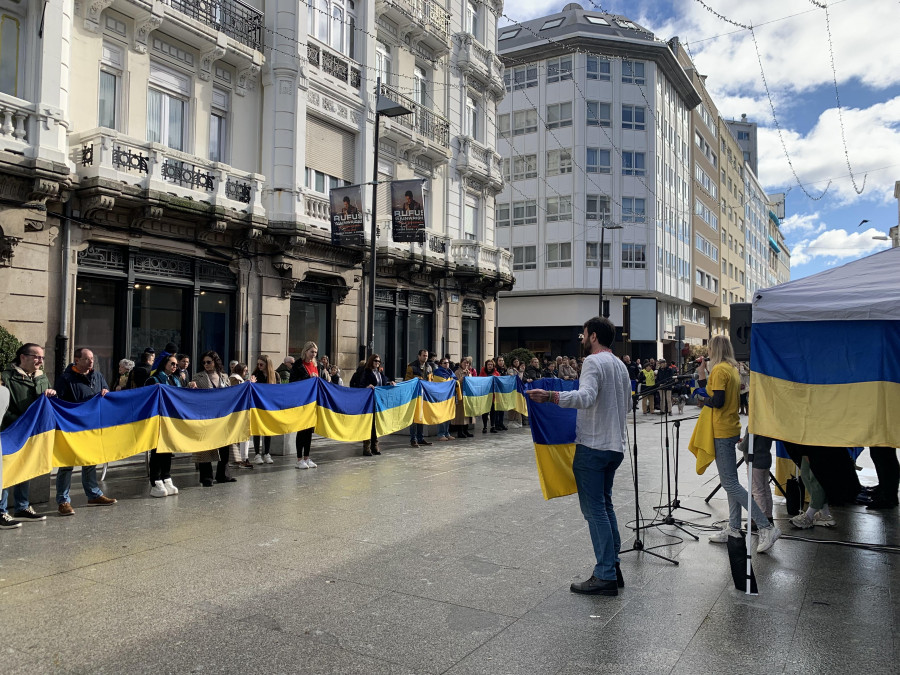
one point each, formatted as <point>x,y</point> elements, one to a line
<point>212,377</point>
<point>26,382</point>
<point>161,484</point>
<point>373,377</point>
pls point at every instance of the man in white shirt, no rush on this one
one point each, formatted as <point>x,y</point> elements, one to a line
<point>603,399</point>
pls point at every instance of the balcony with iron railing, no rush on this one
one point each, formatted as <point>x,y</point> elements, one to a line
<point>232,17</point>
<point>422,22</point>
<point>325,60</point>
<point>476,60</point>
<point>422,127</point>
<point>106,154</point>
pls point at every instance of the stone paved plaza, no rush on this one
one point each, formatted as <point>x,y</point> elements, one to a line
<point>442,560</point>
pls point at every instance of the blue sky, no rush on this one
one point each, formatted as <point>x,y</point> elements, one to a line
<point>821,231</point>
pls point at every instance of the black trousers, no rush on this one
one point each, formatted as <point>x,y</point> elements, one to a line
<point>160,465</point>
<point>222,472</point>
<point>304,442</point>
<point>888,469</point>
<point>267,443</point>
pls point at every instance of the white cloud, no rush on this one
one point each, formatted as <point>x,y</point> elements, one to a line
<point>833,245</point>
<point>802,224</point>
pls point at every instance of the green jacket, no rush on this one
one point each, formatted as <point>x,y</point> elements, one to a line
<point>23,391</point>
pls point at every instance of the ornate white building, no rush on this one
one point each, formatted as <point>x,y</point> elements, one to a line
<point>169,163</point>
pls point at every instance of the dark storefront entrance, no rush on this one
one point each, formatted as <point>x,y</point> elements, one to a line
<point>404,324</point>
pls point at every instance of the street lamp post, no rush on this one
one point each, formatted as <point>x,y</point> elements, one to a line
<point>388,108</point>
<point>603,228</point>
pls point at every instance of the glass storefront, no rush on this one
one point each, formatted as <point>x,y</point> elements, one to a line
<point>310,318</point>
<point>471,333</point>
<point>128,299</point>
<point>404,324</point>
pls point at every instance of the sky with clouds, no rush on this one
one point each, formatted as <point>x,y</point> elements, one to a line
<point>837,185</point>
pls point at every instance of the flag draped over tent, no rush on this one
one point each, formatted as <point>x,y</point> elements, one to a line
<point>824,362</point>
<point>121,424</point>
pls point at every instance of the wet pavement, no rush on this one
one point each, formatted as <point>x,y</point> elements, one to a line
<point>445,559</point>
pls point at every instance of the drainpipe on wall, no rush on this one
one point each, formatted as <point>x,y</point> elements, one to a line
<point>61,352</point>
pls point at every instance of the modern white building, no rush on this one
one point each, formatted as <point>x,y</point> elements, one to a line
<point>595,132</point>
<point>169,161</point>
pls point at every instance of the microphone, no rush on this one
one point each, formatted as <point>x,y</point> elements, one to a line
<point>688,376</point>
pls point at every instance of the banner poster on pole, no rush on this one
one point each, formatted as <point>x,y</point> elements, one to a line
<point>408,210</point>
<point>347,227</point>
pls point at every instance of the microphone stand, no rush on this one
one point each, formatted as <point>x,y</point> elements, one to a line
<point>638,545</point>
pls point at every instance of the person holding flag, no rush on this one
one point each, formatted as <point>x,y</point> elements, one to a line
<point>442,374</point>
<point>602,400</point>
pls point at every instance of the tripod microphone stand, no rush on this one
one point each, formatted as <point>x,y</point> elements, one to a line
<point>638,545</point>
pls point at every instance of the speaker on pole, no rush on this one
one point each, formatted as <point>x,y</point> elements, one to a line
<point>739,330</point>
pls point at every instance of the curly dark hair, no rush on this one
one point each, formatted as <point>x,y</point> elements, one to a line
<point>217,361</point>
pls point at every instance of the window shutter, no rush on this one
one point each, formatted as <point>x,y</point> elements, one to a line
<point>330,150</point>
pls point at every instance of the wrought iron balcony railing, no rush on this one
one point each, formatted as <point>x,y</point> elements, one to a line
<point>422,121</point>
<point>237,20</point>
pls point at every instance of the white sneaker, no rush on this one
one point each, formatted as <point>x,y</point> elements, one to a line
<point>310,464</point>
<point>257,459</point>
<point>170,487</point>
<point>302,464</point>
<point>722,535</point>
<point>767,538</point>
<point>822,520</point>
<point>158,490</point>
<point>802,521</point>
<point>267,458</point>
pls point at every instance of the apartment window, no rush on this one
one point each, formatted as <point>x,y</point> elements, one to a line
<point>592,257</point>
<point>706,214</point>
<point>525,212</point>
<point>559,115</point>
<point>525,166</point>
<point>634,210</point>
<point>708,120</point>
<point>502,215</point>
<point>9,55</point>
<point>322,182</point>
<point>596,207</point>
<point>524,122</point>
<point>597,161</point>
<point>383,63</point>
<point>597,68</point>
<point>559,255</point>
<point>633,117</point>
<point>420,87</point>
<point>633,164</point>
<point>472,19</point>
<point>598,114</point>
<point>559,208</point>
<point>743,135</point>
<point>470,222</point>
<point>707,281</point>
<point>559,69</point>
<point>503,127</point>
<point>505,169</point>
<point>708,249</point>
<point>167,108</point>
<point>705,181</point>
<point>632,72</point>
<point>471,126</point>
<point>218,126</point>
<point>524,257</point>
<point>634,256</point>
<point>112,63</point>
<point>522,77</point>
<point>559,161</point>
<point>334,23</point>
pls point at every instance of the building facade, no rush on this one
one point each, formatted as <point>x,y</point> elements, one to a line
<point>192,163</point>
<point>595,132</point>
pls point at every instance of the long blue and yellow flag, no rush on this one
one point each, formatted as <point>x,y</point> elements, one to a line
<point>55,433</point>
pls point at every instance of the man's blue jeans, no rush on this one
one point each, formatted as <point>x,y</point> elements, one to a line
<point>88,482</point>
<point>415,433</point>
<point>443,429</point>
<point>594,472</point>
<point>20,497</point>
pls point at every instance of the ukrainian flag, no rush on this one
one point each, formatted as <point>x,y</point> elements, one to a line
<point>277,409</point>
<point>506,392</point>
<point>27,445</point>
<point>824,363</point>
<point>553,433</point>
<point>478,394</point>
<point>342,413</point>
<point>203,419</point>
<point>395,406</point>
<point>438,401</point>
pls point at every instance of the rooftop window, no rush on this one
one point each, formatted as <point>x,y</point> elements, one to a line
<point>597,20</point>
<point>552,23</point>
<point>509,34</point>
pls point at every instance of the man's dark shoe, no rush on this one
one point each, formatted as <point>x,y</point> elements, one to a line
<point>367,453</point>
<point>620,580</point>
<point>7,521</point>
<point>424,442</point>
<point>879,502</point>
<point>413,444</point>
<point>595,586</point>
<point>376,451</point>
<point>102,500</point>
<point>65,509</point>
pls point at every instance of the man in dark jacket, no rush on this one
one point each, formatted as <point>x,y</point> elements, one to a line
<point>80,382</point>
<point>422,369</point>
<point>26,382</point>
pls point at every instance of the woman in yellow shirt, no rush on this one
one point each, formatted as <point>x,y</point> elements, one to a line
<point>724,387</point>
